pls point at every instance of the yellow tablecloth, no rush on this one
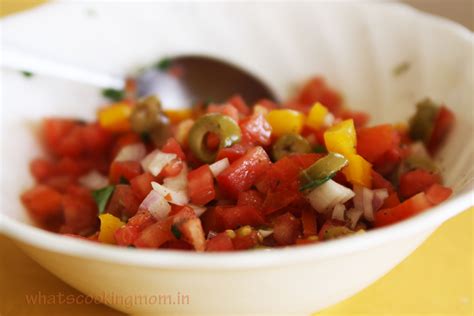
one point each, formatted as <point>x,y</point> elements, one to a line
<point>436,280</point>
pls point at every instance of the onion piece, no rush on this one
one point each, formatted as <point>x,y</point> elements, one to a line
<point>367,198</point>
<point>94,180</point>
<point>175,197</point>
<point>338,212</point>
<point>156,204</point>
<point>379,198</point>
<point>133,152</point>
<point>328,195</point>
<point>219,166</point>
<point>354,215</point>
<point>155,161</point>
<point>265,232</point>
<point>179,182</point>
<point>198,210</point>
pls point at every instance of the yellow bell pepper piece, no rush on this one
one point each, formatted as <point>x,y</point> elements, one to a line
<point>108,226</point>
<point>115,118</point>
<point>316,116</point>
<point>358,171</point>
<point>285,122</point>
<point>177,116</point>
<point>341,138</point>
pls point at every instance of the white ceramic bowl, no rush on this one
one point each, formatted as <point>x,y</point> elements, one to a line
<point>356,46</point>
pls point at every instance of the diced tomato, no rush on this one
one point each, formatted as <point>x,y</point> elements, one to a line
<point>201,185</point>
<point>177,245</point>
<point>123,202</point>
<point>80,212</point>
<point>256,130</point>
<point>181,214</point>
<point>286,229</point>
<point>41,169</point>
<point>96,139</point>
<point>220,242</point>
<point>308,219</point>
<point>373,142</point>
<point>71,144</point>
<point>437,194</point>
<point>360,118</point>
<point>247,241</point>
<point>239,103</point>
<point>232,153</point>
<point>70,166</point>
<point>210,221</point>
<point>173,147</point>
<point>61,182</point>
<point>242,173</point>
<point>141,185</point>
<point>233,217</point>
<point>414,205</point>
<point>57,136</point>
<point>391,201</point>
<point>126,235</point>
<point>389,161</point>
<point>379,182</point>
<point>442,126</point>
<point>156,234</point>
<point>268,104</point>
<point>416,181</point>
<point>172,169</point>
<point>42,202</point>
<point>141,220</point>
<point>306,241</point>
<point>316,90</point>
<point>250,198</point>
<point>305,160</point>
<point>225,109</point>
<point>124,140</point>
<point>124,170</point>
<point>193,233</point>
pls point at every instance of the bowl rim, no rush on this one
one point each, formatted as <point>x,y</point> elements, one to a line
<point>429,220</point>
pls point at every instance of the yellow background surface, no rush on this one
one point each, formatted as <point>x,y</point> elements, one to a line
<point>437,279</point>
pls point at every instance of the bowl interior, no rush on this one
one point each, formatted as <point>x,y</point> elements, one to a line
<point>284,44</point>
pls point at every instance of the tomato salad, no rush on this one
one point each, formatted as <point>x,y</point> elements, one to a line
<point>230,176</point>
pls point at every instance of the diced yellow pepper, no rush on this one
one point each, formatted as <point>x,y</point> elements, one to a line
<point>177,116</point>
<point>108,226</point>
<point>285,122</point>
<point>316,116</point>
<point>358,171</point>
<point>115,118</point>
<point>341,138</point>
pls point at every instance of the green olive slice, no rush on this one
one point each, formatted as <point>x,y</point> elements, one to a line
<point>223,126</point>
<point>422,123</point>
<point>322,170</point>
<point>289,144</point>
<point>147,115</point>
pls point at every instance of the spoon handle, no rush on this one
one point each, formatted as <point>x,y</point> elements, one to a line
<point>22,61</point>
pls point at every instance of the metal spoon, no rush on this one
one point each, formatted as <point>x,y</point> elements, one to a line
<point>187,80</point>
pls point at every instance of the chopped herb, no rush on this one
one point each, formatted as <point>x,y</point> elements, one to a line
<point>176,232</point>
<point>102,196</point>
<point>320,149</point>
<point>163,64</point>
<point>27,74</point>
<point>123,180</point>
<point>401,68</point>
<point>113,94</point>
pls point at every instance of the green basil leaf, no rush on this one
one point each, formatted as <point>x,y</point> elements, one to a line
<point>102,196</point>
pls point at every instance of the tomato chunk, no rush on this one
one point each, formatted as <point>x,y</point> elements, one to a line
<point>256,130</point>
<point>250,198</point>
<point>373,142</point>
<point>242,173</point>
<point>201,185</point>
<point>233,217</point>
<point>42,203</point>
<point>437,194</point>
<point>173,147</point>
<point>416,181</point>
<point>245,241</point>
<point>308,219</point>
<point>443,124</point>
<point>408,208</point>
<point>120,170</point>
<point>286,229</point>
<point>123,202</point>
<point>220,242</point>
<point>155,235</point>
<point>141,185</point>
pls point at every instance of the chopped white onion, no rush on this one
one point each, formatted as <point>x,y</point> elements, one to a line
<point>338,212</point>
<point>198,210</point>
<point>265,232</point>
<point>155,161</point>
<point>133,152</point>
<point>179,182</point>
<point>353,216</point>
<point>367,197</point>
<point>379,198</point>
<point>211,234</point>
<point>369,201</point>
<point>328,120</point>
<point>176,197</point>
<point>327,195</point>
<point>94,180</point>
<point>156,204</point>
<point>219,166</point>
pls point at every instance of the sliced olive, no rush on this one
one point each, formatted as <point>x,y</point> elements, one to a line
<point>289,144</point>
<point>417,162</point>
<point>147,118</point>
<point>223,126</point>
<point>322,170</point>
<point>421,124</point>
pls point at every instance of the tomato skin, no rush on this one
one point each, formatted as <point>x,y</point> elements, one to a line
<point>239,103</point>
<point>42,203</point>
<point>201,185</point>
<point>309,223</point>
<point>250,198</point>
<point>96,139</point>
<point>124,169</point>
<point>245,242</point>
<point>416,181</point>
<point>225,109</point>
<point>232,217</point>
<point>141,185</point>
<point>373,142</point>
<point>80,212</point>
<point>391,201</point>
<point>316,90</point>
<point>388,162</point>
<point>123,202</point>
<point>232,153</point>
<point>256,130</point>
<point>379,182</point>
<point>126,235</point>
<point>63,137</point>
<point>41,169</point>
<point>141,220</point>
<point>155,235</point>
<point>286,229</point>
<point>243,172</point>
<point>173,147</point>
<point>443,124</point>
<point>437,193</point>
<point>172,169</point>
<point>413,206</point>
<point>220,242</point>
